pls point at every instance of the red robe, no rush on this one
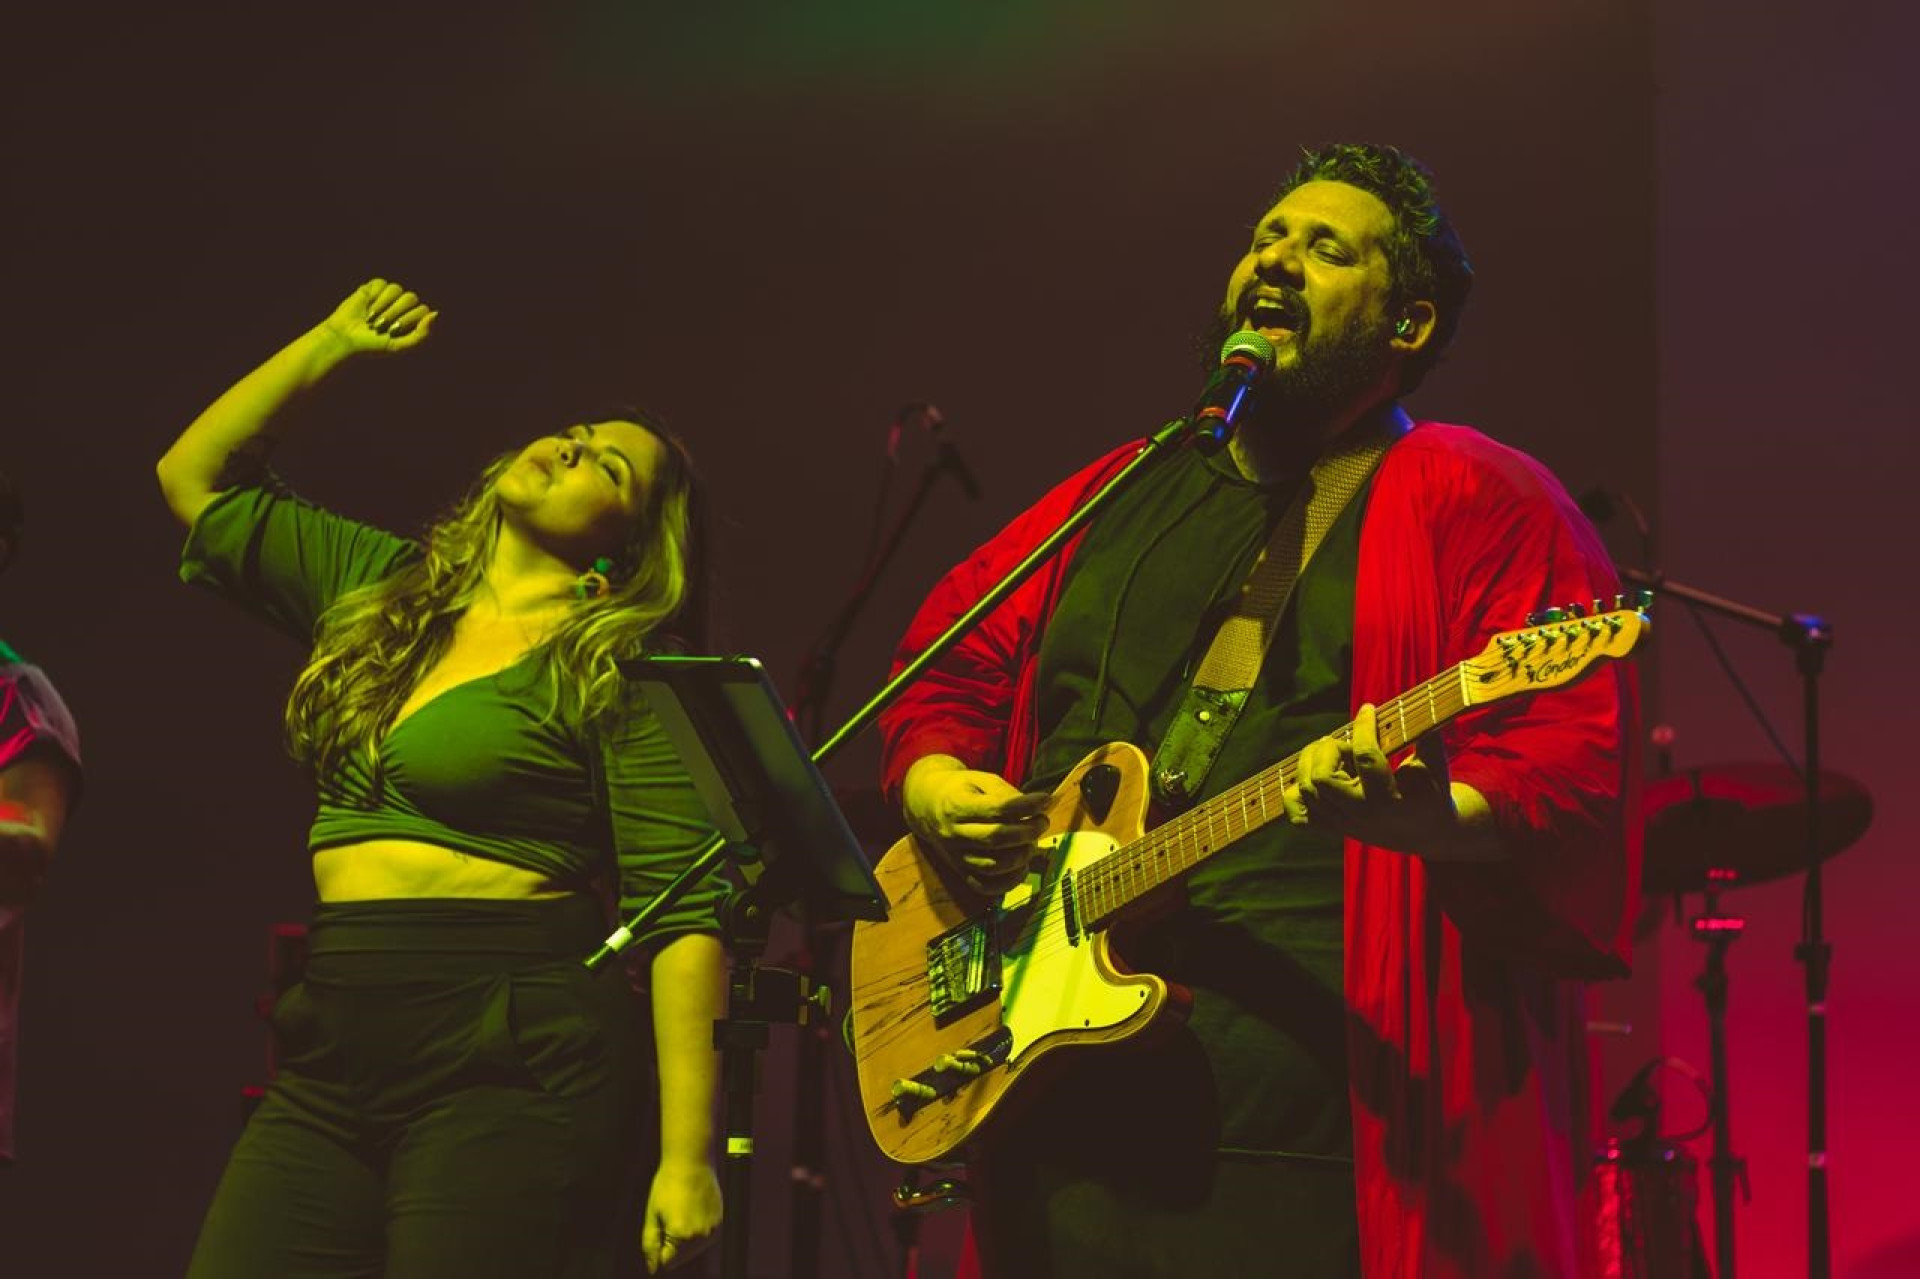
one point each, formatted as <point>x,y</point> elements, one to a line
<point>1465,1048</point>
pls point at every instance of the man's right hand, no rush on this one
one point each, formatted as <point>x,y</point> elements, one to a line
<point>379,316</point>
<point>981,825</point>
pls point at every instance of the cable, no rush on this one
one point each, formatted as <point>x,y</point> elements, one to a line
<point>1746,694</point>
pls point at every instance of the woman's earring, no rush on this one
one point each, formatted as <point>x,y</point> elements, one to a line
<point>592,584</point>
<point>1404,327</point>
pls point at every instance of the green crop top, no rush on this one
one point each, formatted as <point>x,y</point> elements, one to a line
<point>482,768</point>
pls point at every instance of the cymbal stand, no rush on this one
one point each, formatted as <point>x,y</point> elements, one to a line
<point>1717,931</point>
<point>1810,636</point>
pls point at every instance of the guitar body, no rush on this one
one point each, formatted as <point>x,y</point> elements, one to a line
<point>923,981</point>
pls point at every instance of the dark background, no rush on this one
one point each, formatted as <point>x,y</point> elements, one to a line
<point>775,224</point>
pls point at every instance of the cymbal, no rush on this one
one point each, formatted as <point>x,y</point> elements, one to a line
<point>1748,819</point>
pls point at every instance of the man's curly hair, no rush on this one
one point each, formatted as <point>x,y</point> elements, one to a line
<point>1424,255</point>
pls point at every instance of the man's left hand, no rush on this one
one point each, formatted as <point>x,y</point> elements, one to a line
<point>1353,789</point>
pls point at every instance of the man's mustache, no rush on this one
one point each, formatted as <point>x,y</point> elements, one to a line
<point>1289,302</point>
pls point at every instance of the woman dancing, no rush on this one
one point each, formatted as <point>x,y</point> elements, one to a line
<point>456,1093</point>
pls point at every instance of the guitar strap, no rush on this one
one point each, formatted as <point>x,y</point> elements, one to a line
<point>1226,673</point>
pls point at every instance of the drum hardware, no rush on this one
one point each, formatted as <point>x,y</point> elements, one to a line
<point>1643,1195</point>
<point>1710,830</point>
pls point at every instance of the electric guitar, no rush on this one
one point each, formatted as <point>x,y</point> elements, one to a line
<point>953,1001</point>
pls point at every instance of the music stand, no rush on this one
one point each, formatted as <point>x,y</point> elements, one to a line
<point>763,792</point>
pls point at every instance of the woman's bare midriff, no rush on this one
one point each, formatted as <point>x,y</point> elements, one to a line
<point>387,868</point>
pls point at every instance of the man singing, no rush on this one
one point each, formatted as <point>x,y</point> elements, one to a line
<point>1380,1071</point>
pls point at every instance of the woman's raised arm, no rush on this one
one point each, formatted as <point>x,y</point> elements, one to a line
<point>379,317</point>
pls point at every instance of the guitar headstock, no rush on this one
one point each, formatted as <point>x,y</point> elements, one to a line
<point>1557,647</point>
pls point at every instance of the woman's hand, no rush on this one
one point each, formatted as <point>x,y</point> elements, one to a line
<point>379,316</point>
<point>683,1211</point>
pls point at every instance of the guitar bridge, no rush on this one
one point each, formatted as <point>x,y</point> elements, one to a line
<point>950,1074</point>
<point>963,968</point>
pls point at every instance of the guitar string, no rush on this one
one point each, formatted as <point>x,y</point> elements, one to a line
<point>1123,874</point>
<point>1121,877</point>
<point>1176,846</point>
<point>1105,888</point>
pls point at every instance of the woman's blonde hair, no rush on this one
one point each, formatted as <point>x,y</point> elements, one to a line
<point>375,644</point>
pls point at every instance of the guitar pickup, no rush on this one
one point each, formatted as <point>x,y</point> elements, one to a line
<point>950,1073</point>
<point>963,968</point>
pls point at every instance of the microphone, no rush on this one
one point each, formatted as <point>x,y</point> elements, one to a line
<point>1244,360</point>
<point>946,457</point>
<point>1639,1099</point>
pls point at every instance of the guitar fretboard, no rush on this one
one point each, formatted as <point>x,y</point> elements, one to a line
<point>1177,846</point>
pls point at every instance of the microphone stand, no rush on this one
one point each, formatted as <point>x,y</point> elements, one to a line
<point>1810,637</point>
<point>910,1200</point>
<point>711,854</point>
<point>1155,446</point>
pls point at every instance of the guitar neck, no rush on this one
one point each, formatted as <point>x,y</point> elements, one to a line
<point>1550,655</point>
<point>1175,847</point>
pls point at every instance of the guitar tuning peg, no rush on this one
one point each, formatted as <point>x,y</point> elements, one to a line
<point>1598,606</point>
<point>1643,600</point>
<point>1576,609</point>
<point>1546,617</point>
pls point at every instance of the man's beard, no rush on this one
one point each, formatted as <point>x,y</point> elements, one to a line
<point>1332,374</point>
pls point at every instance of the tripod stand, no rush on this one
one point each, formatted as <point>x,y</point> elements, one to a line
<point>757,997</point>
